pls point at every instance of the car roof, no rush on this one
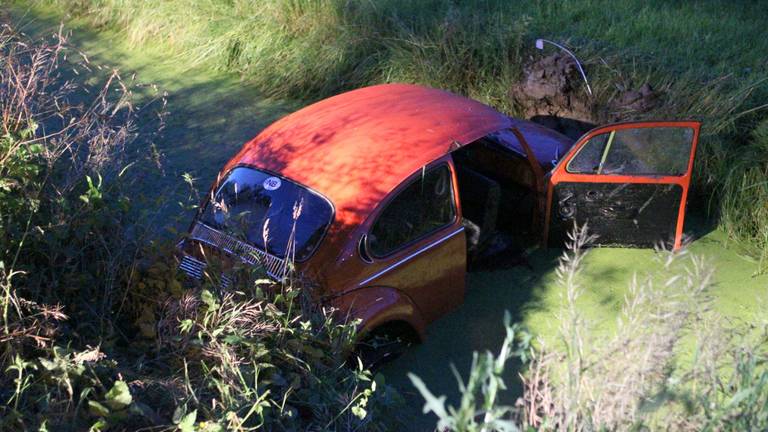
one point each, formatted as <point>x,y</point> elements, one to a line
<point>355,148</point>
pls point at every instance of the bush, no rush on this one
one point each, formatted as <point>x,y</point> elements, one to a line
<point>61,203</point>
<point>97,330</point>
<point>745,195</point>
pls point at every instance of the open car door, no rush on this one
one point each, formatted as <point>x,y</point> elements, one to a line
<point>629,182</point>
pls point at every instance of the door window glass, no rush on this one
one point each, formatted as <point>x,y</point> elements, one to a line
<point>587,160</point>
<point>638,151</point>
<point>424,206</point>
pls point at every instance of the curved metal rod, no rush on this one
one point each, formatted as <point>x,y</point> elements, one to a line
<point>540,45</point>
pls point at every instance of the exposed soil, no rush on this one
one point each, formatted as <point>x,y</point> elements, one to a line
<point>552,92</point>
<point>552,86</point>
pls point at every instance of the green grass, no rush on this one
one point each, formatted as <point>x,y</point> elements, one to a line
<point>707,57</point>
<point>308,48</point>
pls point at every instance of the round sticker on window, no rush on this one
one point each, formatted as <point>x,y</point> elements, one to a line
<point>272,183</point>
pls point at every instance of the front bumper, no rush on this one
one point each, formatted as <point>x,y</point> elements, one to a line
<point>276,268</point>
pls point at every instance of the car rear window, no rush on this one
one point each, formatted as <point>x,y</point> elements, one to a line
<point>270,212</point>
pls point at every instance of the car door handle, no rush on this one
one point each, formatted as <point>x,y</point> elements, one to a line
<point>566,209</point>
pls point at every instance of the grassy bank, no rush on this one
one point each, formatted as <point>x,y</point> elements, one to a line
<point>706,59</point>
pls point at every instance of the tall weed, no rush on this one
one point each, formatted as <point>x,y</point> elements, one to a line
<point>671,364</point>
<point>60,165</point>
<point>745,194</point>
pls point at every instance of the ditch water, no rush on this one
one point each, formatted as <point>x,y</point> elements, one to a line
<point>212,114</point>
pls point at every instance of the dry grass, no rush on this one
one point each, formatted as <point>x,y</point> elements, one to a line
<point>49,147</point>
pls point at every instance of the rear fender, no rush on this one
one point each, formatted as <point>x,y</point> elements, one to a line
<point>376,306</point>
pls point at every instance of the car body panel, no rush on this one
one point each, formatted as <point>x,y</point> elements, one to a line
<point>375,306</point>
<point>429,270</point>
<point>358,146</point>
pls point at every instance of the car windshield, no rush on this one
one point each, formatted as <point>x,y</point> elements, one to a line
<point>270,212</point>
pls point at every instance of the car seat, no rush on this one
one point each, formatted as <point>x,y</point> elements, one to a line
<point>480,196</point>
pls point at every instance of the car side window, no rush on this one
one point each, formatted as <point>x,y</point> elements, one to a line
<point>637,151</point>
<point>423,206</point>
<point>587,160</point>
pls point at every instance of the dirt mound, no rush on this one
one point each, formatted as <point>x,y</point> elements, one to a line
<point>552,92</point>
<point>552,86</point>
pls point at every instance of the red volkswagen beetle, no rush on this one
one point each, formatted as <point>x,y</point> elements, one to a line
<point>383,195</point>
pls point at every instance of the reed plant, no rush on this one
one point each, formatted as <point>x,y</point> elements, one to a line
<point>673,363</point>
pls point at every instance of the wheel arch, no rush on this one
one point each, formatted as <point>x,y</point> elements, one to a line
<point>380,308</point>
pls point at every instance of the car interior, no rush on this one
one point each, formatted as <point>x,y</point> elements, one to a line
<point>497,193</point>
